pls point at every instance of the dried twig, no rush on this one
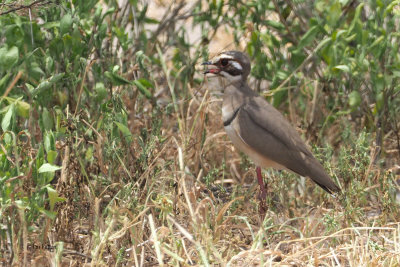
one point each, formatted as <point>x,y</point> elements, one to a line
<point>38,2</point>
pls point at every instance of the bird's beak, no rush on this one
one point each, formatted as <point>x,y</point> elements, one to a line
<point>207,63</point>
<point>214,71</point>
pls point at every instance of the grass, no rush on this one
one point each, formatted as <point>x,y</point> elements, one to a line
<point>171,211</point>
<point>113,150</point>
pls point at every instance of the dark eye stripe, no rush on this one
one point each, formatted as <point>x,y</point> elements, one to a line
<point>233,71</point>
<point>224,62</point>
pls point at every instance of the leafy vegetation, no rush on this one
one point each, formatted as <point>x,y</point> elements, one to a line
<point>112,147</point>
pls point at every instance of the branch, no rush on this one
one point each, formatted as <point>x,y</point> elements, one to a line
<point>25,6</point>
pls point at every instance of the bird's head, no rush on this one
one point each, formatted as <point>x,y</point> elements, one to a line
<point>231,65</point>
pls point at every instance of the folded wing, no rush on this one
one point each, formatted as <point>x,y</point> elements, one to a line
<point>265,129</point>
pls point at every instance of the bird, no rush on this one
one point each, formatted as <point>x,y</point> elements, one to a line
<point>259,130</point>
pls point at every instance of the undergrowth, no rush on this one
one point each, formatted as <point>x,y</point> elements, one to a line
<point>113,150</point>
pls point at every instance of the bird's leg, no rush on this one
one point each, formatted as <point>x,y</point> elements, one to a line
<point>263,194</point>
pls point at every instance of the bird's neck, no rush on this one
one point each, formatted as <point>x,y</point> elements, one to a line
<point>235,95</point>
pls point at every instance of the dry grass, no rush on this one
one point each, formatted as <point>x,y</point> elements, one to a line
<point>181,195</point>
<point>195,205</point>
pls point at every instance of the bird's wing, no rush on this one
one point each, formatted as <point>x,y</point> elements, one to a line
<point>265,129</point>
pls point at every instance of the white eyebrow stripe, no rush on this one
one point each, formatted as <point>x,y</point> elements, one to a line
<point>236,65</point>
<point>225,56</point>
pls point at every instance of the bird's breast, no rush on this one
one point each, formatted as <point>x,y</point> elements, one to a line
<point>233,132</point>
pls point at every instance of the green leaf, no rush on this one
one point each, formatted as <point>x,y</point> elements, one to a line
<point>377,41</point>
<point>49,141</point>
<point>56,77</point>
<point>4,80</point>
<point>125,131</point>
<point>22,108</point>
<point>342,68</point>
<point>21,204</point>
<point>66,24</point>
<point>354,100</point>
<point>53,197</point>
<point>334,13</point>
<point>143,89</point>
<point>116,79</point>
<point>101,91</point>
<point>145,82</point>
<point>51,214</point>
<point>5,123</point>
<point>46,84</point>
<point>47,119</point>
<point>108,12</point>
<point>8,57</point>
<point>51,156</point>
<point>379,101</point>
<point>49,25</point>
<point>151,21</point>
<point>47,167</point>
<point>275,24</point>
<point>356,18</point>
<point>89,153</point>
<point>390,7</point>
<point>308,37</point>
<point>282,75</point>
<point>12,56</point>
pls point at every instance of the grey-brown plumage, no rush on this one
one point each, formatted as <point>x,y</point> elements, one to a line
<point>257,128</point>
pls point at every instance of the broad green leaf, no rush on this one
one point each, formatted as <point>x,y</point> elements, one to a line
<point>56,77</point>
<point>396,73</point>
<point>21,204</point>
<point>145,82</point>
<point>143,89</point>
<point>8,57</point>
<point>66,24</point>
<point>101,91</point>
<point>342,68</point>
<point>22,108</point>
<point>53,197</point>
<point>47,119</point>
<point>4,80</point>
<point>334,13</point>
<point>355,19</point>
<point>282,75</point>
<point>5,123</point>
<point>30,87</point>
<point>308,37</point>
<point>390,7</point>
<point>151,21</point>
<point>48,141</point>
<point>49,25</point>
<point>47,167</point>
<point>379,101</point>
<point>51,214</point>
<point>108,12</point>
<point>51,156</point>
<point>377,41</point>
<point>36,71</point>
<point>44,85</point>
<point>323,43</point>
<point>125,131</point>
<point>354,100</point>
<point>116,79</point>
<point>89,153</point>
<point>49,64</point>
<point>275,24</point>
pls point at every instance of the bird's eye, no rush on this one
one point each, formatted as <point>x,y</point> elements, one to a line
<point>224,62</point>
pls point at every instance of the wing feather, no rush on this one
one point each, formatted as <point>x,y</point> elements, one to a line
<point>264,128</point>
